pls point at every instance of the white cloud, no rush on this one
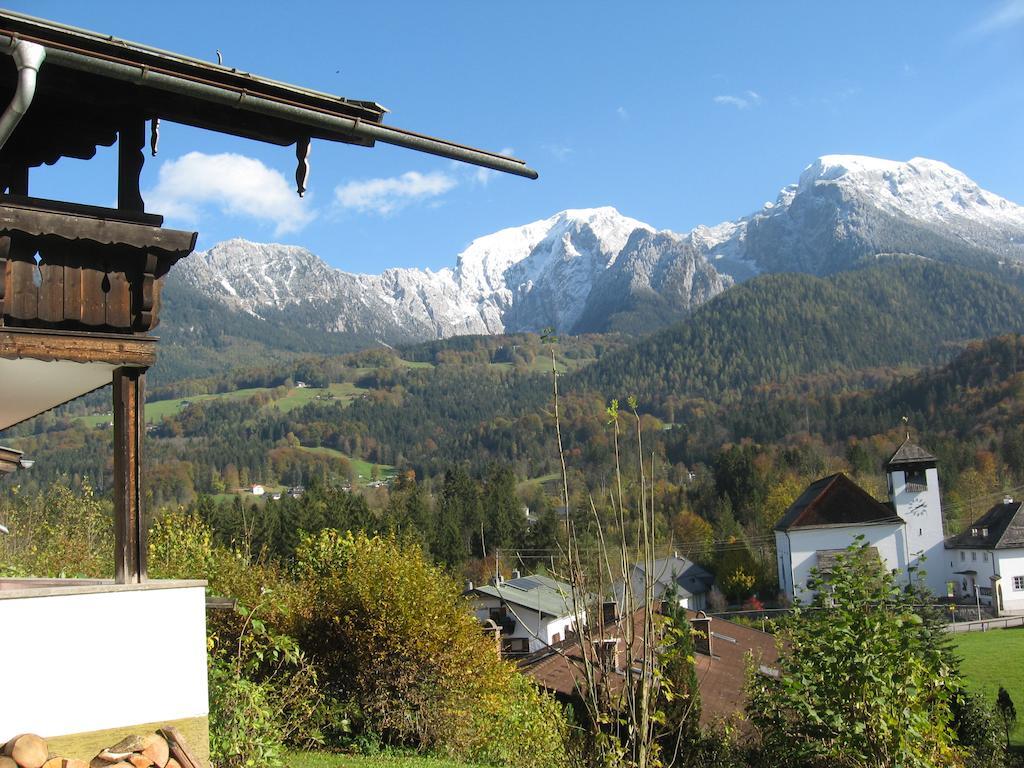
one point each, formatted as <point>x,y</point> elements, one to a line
<point>385,196</point>
<point>623,113</point>
<point>746,101</point>
<point>1009,14</point>
<point>235,185</point>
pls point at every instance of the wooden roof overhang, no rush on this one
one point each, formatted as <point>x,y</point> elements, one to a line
<point>91,84</point>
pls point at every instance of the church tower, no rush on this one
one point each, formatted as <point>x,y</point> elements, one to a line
<point>914,490</point>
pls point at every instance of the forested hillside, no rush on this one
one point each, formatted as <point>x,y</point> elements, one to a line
<point>776,330</point>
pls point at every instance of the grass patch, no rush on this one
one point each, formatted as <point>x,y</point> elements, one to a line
<point>157,409</point>
<point>990,660</point>
<point>363,470</point>
<point>332,760</point>
<point>534,482</point>
<point>344,393</point>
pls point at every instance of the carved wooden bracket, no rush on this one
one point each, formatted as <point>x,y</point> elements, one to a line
<point>154,135</point>
<point>302,149</point>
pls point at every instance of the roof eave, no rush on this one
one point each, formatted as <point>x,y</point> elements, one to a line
<point>888,521</point>
<point>317,114</point>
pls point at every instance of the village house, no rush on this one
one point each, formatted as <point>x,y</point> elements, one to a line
<point>530,612</point>
<point>79,299</point>
<point>906,534</point>
<point>988,556</point>
<point>723,651</point>
<point>688,581</point>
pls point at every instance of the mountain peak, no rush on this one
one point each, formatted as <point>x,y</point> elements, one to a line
<point>875,169</point>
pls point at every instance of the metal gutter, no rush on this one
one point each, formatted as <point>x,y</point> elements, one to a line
<point>29,58</point>
<point>178,83</point>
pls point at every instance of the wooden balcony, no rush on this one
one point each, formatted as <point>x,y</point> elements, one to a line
<point>75,267</point>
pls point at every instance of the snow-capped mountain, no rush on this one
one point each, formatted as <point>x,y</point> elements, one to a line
<point>593,264</point>
<point>592,270</point>
<point>848,207</point>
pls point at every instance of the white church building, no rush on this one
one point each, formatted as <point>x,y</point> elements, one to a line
<point>906,533</point>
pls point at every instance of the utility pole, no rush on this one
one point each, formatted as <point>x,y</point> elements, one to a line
<point>977,599</point>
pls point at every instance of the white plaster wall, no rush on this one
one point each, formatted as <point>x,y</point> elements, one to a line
<point>974,560</point>
<point>557,627</point>
<point>88,662</point>
<point>925,536</point>
<point>804,544</point>
<point>537,628</point>
<point>1010,563</point>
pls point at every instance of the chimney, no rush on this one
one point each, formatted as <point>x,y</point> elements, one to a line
<point>516,575</point>
<point>609,612</point>
<point>469,586</point>
<point>608,653</point>
<point>701,624</point>
<point>1007,499</point>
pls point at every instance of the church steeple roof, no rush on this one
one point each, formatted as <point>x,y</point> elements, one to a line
<point>910,454</point>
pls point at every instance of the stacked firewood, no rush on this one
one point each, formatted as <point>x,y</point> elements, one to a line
<point>166,749</point>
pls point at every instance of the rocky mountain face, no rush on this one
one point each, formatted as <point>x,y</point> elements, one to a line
<point>579,271</point>
<point>595,270</point>
<point>847,208</point>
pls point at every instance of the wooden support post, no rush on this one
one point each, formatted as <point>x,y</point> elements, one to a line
<point>131,140</point>
<point>16,180</point>
<point>129,523</point>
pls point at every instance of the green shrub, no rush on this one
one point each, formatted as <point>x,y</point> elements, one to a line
<point>244,732</point>
<point>57,534</point>
<point>393,637</point>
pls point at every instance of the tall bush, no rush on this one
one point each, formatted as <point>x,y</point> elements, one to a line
<point>394,638</point>
<point>864,680</point>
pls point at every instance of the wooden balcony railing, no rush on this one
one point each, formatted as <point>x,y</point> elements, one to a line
<point>74,267</point>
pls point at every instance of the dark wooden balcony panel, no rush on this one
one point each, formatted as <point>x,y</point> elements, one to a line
<point>78,270</point>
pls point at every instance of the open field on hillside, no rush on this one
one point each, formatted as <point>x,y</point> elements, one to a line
<point>296,397</point>
<point>329,760</point>
<point>363,469</point>
<point>157,409</point>
<point>344,392</point>
<point>991,659</point>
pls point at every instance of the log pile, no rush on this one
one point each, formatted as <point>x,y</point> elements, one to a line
<point>164,749</point>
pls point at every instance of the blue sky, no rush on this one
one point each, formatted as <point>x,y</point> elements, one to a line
<point>676,113</point>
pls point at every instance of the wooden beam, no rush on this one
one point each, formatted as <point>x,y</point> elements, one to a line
<point>129,523</point>
<point>80,347</point>
<point>79,223</point>
<point>131,140</point>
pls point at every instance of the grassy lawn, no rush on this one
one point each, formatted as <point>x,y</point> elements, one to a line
<point>329,760</point>
<point>991,659</point>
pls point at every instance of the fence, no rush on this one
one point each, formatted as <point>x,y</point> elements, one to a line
<point>986,624</point>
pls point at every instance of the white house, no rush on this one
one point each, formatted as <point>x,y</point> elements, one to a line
<point>691,582</point>
<point>532,612</point>
<point>826,519</point>
<point>906,533</point>
<point>989,555</point>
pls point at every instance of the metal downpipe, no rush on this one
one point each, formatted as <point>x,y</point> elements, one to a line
<point>29,58</point>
